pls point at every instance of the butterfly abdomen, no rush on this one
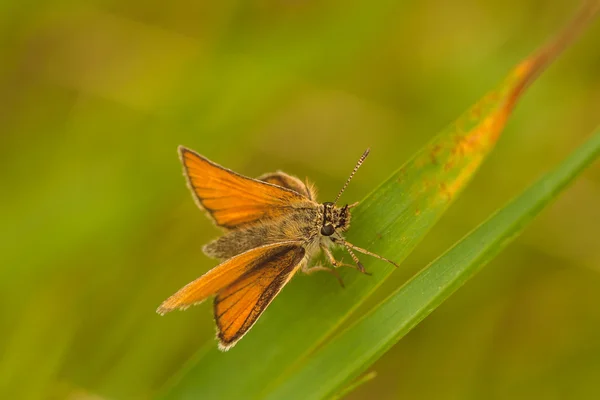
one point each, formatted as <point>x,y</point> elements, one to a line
<point>237,241</point>
<point>298,225</point>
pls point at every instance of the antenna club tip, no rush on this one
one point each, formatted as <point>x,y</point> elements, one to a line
<point>367,151</point>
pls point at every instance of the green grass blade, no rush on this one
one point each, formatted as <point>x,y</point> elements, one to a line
<point>391,221</point>
<point>355,349</point>
<point>355,385</point>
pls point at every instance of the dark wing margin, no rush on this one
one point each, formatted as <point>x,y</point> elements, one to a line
<point>239,305</point>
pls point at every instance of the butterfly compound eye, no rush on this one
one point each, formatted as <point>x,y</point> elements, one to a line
<point>327,230</point>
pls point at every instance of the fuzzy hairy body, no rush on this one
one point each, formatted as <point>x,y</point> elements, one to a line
<point>299,225</point>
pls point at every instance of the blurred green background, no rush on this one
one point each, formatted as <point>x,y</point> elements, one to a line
<point>98,227</point>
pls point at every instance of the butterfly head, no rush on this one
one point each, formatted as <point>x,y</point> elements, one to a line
<point>334,219</point>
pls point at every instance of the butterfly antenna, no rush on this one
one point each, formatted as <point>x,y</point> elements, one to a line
<point>358,164</point>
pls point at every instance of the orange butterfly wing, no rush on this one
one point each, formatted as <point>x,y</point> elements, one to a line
<point>234,200</point>
<point>238,306</point>
<point>223,275</point>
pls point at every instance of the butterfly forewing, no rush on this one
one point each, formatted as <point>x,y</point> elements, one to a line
<point>222,276</point>
<point>238,306</point>
<point>234,200</point>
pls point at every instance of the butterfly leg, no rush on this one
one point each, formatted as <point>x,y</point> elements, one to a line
<point>337,264</point>
<point>367,252</point>
<point>315,268</point>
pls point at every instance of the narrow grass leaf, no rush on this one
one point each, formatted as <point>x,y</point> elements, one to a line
<point>355,349</point>
<point>355,385</point>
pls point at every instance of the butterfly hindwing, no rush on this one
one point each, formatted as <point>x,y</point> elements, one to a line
<point>238,306</point>
<point>290,182</point>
